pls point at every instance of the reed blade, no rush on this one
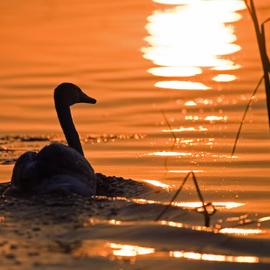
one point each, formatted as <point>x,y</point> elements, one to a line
<point>260,35</point>
<point>173,198</point>
<point>244,115</point>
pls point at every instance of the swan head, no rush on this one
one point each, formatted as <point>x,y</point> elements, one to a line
<point>69,94</point>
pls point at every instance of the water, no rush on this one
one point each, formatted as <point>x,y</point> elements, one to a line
<point>172,79</point>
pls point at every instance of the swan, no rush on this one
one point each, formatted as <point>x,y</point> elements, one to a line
<point>57,167</point>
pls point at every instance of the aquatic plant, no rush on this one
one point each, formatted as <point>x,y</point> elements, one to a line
<point>203,209</point>
<point>260,35</point>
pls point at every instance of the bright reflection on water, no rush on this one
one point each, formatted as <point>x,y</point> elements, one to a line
<point>206,118</point>
<point>170,154</point>
<point>190,37</point>
<point>224,78</point>
<point>185,171</point>
<point>187,205</point>
<point>157,183</point>
<point>213,257</point>
<point>185,129</point>
<point>118,251</point>
<point>129,250</point>
<point>242,232</point>
<point>182,85</point>
<point>175,71</point>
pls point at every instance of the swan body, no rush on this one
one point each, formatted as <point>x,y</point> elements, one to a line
<point>58,167</point>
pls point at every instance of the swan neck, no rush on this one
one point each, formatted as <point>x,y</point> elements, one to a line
<point>68,127</point>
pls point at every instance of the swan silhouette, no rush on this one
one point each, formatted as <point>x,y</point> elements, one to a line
<point>58,167</point>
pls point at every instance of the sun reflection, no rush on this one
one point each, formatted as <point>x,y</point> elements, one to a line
<point>216,118</point>
<point>175,71</point>
<point>106,249</point>
<point>130,250</point>
<point>213,257</point>
<point>190,103</point>
<point>185,129</point>
<point>210,118</point>
<point>181,85</point>
<point>218,205</point>
<point>263,219</point>
<point>170,154</point>
<point>191,36</point>
<point>158,184</point>
<point>186,205</point>
<point>241,231</point>
<point>119,251</point>
<point>185,171</point>
<point>224,78</point>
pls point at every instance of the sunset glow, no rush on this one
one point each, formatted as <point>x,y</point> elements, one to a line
<point>130,250</point>
<point>121,251</point>
<point>134,135</point>
<point>191,36</point>
<point>213,257</point>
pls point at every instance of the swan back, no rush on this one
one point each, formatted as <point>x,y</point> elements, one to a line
<point>56,167</point>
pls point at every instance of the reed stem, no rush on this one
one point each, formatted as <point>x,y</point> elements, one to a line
<point>206,214</point>
<point>260,35</point>
<point>244,115</point>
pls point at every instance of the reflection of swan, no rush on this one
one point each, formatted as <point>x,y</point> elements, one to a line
<point>58,167</point>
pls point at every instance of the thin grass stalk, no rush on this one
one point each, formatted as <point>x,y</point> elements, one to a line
<point>173,198</point>
<point>262,47</point>
<point>174,140</point>
<point>247,5</point>
<point>205,212</point>
<point>204,205</point>
<point>264,42</point>
<point>245,114</point>
<point>169,125</point>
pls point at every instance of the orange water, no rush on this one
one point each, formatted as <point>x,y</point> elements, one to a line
<point>159,70</point>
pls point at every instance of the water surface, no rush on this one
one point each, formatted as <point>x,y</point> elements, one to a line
<point>172,79</point>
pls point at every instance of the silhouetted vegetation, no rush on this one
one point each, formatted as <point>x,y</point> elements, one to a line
<point>260,34</point>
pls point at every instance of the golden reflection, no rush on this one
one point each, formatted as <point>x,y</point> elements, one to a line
<point>129,250</point>
<point>233,231</point>
<point>190,142</point>
<point>190,103</point>
<point>203,101</point>
<point>114,222</point>
<point>213,257</point>
<point>263,219</point>
<point>210,118</point>
<point>185,129</point>
<point>181,85</point>
<point>191,36</point>
<point>106,249</point>
<point>175,71</point>
<point>185,171</point>
<point>192,117</point>
<point>170,154</point>
<point>224,78</point>
<point>118,251</point>
<point>157,183</point>
<point>216,118</point>
<point>218,205</point>
<point>187,205</point>
<point>242,232</point>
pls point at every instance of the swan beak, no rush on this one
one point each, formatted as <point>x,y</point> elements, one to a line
<point>86,99</point>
